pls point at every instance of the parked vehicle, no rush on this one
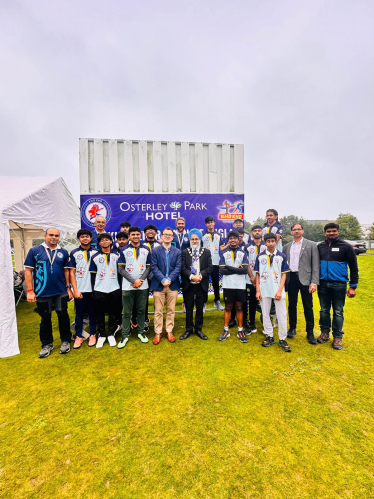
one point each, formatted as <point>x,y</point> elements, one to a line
<point>358,246</point>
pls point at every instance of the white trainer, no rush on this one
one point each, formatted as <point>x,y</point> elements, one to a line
<point>112,341</point>
<point>100,342</point>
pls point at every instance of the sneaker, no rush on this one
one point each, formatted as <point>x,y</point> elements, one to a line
<point>65,347</point>
<point>284,345</point>
<point>119,328</point>
<point>242,337</point>
<point>269,340</point>
<point>146,322</point>
<point>146,328</point>
<point>111,340</point>
<point>92,340</point>
<point>250,329</point>
<point>218,306</point>
<point>100,342</point>
<point>204,308</point>
<point>78,342</point>
<point>123,342</point>
<point>143,338</point>
<point>291,333</point>
<point>45,351</point>
<point>232,323</point>
<point>224,335</point>
<point>184,307</point>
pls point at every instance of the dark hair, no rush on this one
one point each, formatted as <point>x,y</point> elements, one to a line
<point>84,232</point>
<point>297,223</point>
<point>167,228</point>
<point>273,211</point>
<point>209,219</point>
<point>239,230</point>
<point>104,235</point>
<point>122,235</point>
<point>270,235</point>
<point>233,233</point>
<point>237,220</point>
<point>125,224</point>
<point>256,227</point>
<point>134,228</point>
<point>150,226</point>
<point>331,225</point>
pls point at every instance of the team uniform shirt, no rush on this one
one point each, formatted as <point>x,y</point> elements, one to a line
<point>276,228</point>
<point>270,268</point>
<point>80,260</point>
<point>104,265</point>
<point>180,240</point>
<point>247,238</point>
<point>48,274</point>
<point>151,245</point>
<point>212,241</point>
<point>234,259</point>
<point>135,260</point>
<point>252,251</point>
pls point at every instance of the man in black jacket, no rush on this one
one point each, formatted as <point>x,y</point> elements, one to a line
<point>336,256</point>
<point>196,267</point>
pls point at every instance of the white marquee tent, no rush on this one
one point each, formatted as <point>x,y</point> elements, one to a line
<point>40,201</point>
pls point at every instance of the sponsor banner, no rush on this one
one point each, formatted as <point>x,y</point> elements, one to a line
<point>162,210</point>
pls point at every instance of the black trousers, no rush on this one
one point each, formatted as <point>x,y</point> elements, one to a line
<point>252,303</point>
<point>45,306</point>
<point>245,307</point>
<point>215,282</point>
<point>110,303</point>
<point>294,287</point>
<point>194,294</point>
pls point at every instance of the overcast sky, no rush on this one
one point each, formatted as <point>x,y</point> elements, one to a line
<point>291,80</point>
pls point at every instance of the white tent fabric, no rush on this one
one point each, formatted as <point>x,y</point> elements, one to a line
<point>40,201</point>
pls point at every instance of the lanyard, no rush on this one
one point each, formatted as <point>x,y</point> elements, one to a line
<point>51,260</point>
<point>180,239</point>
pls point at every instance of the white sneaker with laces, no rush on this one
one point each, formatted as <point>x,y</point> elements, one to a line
<point>100,342</point>
<point>111,340</point>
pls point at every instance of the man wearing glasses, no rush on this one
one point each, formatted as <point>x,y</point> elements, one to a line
<point>100,223</point>
<point>166,266</point>
<point>303,259</point>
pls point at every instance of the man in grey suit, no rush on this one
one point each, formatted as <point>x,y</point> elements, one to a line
<point>303,258</point>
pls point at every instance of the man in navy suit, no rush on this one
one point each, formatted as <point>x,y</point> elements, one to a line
<point>166,266</point>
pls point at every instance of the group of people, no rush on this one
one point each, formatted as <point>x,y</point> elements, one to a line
<point>114,277</point>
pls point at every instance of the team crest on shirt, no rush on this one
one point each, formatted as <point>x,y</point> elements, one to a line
<point>80,256</point>
<point>276,260</point>
<point>274,230</point>
<point>130,268</point>
<point>81,271</point>
<point>265,276</point>
<point>253,265</point>
<point>251,249</point>
<point>141,267</point>
<point>263,261</point>
<point>129,253</point>
<point>227,256</point>
<point>275,274</point>
<point>102,274</point>
<point>215,248</point>
<point>143,252</point>
<point>101,259</point>
<point>59,254</point>
<point>112,273</point>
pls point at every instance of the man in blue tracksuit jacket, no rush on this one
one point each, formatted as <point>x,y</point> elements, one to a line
<point>336,256</point>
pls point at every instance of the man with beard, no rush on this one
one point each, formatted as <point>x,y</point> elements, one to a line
<point>180,240</point>
<point>273,226</point>
<point>254,248</point>
<point>196,267</point>
<point>234,268</point>
<point>336,256</point>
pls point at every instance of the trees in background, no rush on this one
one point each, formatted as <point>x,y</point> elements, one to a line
<point>349,227</point>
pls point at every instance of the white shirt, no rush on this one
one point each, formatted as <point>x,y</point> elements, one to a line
<point>295,255</point>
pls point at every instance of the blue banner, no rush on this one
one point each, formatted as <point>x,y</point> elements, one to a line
<point>162,210</point>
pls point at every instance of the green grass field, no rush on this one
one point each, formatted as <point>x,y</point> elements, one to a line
<point>193,419</point>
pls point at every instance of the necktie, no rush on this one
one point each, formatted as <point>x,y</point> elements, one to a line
<point>194,258</point>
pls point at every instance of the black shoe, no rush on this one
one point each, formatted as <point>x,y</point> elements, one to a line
<point>284,345</point>
<point>291,333</point>
<point>268,341</point>
<point>186,335</point>
<point>311,338</point>
<point>232,323</point>
<point>250,329</point>
<point>201,335</point>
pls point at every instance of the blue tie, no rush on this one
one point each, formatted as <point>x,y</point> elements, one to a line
<point>193,270</point>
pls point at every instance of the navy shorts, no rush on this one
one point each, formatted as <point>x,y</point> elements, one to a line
<point>234,295</point>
